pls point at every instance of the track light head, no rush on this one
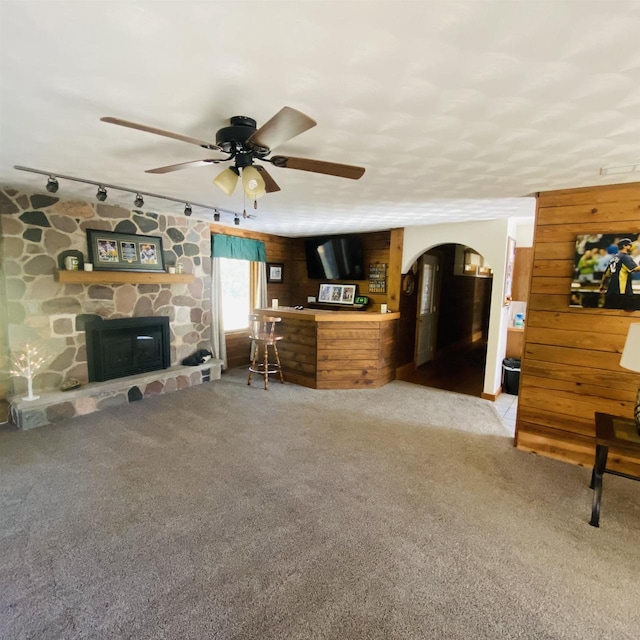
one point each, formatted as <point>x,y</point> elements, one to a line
<point>139,201</point>
<point>216,215</point>
<point>52,185</point>
<point>102,194</point>
<point>236,221</point>
<point>187,209</point>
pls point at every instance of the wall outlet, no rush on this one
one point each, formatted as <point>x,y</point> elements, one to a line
<point>311,298</point>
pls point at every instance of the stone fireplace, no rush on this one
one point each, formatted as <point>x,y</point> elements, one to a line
<point>35,229</point>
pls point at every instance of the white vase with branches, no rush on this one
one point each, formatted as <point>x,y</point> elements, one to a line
<point>25,364</point>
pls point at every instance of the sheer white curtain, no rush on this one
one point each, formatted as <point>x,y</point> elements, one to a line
<point>218,342</point>
<point>260,291</point>
<point>261,286</point>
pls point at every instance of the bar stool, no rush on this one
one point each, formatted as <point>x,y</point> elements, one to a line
<point>262,331</point>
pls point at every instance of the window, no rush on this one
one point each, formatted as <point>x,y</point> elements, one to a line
<point>236,293</point>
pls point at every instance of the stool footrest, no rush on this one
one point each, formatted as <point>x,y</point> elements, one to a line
<point>259,368</point>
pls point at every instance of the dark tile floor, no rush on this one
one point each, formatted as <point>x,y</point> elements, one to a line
<point>463,372</point>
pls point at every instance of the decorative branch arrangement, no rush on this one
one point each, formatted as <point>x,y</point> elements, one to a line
<point>26,364</point>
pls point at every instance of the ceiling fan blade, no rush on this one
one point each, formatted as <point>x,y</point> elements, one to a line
<point>319,166</point>
<point>184,165</point>
<point>269,183</point>
<point>286,124</point>
<point>160,132</point>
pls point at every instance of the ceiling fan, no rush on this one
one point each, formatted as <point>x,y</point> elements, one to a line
<point>244,144</point>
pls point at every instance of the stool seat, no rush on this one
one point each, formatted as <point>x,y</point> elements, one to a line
<point>262,331</point>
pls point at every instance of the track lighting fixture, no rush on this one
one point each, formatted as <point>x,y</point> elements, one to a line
<point>52,185</point>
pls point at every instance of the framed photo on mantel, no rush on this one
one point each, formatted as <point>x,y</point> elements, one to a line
<point>112,251</point>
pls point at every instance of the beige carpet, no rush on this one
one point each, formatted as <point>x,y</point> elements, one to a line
<point>224,511</point>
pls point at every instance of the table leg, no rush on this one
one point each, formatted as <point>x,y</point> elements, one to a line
<point>599,467</point>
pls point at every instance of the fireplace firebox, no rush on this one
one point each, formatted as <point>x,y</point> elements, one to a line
<point>126,346</point>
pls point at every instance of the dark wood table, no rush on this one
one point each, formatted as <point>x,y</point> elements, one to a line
<point>621,434</point>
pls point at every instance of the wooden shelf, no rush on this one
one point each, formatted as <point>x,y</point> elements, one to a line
<point>122,277</point>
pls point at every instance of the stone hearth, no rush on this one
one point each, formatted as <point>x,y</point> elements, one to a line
<point>55,406</point>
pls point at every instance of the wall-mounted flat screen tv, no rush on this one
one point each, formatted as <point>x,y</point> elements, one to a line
<point>606,271</point>
<point>335,258</point>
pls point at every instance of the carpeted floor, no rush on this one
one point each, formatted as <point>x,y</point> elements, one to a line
<point>224,511</point>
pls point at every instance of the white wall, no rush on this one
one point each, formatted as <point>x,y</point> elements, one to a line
<point>488,238</point>
<point>524,233</point>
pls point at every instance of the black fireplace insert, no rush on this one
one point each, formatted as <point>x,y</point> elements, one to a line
<point>126,346</point>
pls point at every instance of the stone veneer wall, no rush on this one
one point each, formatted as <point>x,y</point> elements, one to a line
<point>36,228</point>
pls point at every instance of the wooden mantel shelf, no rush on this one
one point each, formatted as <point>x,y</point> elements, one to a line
<point>122,277</point>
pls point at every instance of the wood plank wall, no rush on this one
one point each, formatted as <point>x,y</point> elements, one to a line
<point>463,313</point>
<point>338,355</point>
<point>298,352</point>
<point>353,355</point>
<point>379,247</point>
<point>571,363</point>
<point>383,246</point>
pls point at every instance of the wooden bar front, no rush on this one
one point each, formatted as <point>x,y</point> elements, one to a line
<point>324,349</point>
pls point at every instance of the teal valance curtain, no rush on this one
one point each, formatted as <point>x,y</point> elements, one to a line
<point>237,248</point>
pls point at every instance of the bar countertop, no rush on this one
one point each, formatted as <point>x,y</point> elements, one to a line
<point>328,315</point>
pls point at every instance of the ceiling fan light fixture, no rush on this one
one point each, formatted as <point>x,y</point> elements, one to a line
<point>101,194</point>
<point>52,185</point>
<point>252,182</point>
<point>227,180</point>
<point>139,201</point>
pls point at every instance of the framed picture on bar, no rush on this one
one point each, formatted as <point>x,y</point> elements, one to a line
<point>337,293</point>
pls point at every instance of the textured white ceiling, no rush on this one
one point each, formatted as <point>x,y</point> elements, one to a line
<point>457,109</point>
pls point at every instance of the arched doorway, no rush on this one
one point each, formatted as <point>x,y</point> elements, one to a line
<point>450,305</point>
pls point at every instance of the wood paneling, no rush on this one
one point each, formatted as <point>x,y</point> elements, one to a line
<point>301,350</point>
<point>571,363</point>
<point>515,342</point>
<point>238,349</point>
<point>337,355</point>
<point>383,247</point>
<point>522,267</point>
<point>463,315</point>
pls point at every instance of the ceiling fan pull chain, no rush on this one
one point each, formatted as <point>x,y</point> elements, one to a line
<point>255,204</point>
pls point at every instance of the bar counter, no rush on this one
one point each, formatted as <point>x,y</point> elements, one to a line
<point>324,349</point>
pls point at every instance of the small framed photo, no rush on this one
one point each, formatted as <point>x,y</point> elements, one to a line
<point>275,272</point>
<point>111,251</point>
<point>324,295</point>
<point>348,294</point>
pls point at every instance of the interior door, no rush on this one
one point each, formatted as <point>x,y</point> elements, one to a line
<point>427,312</point>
